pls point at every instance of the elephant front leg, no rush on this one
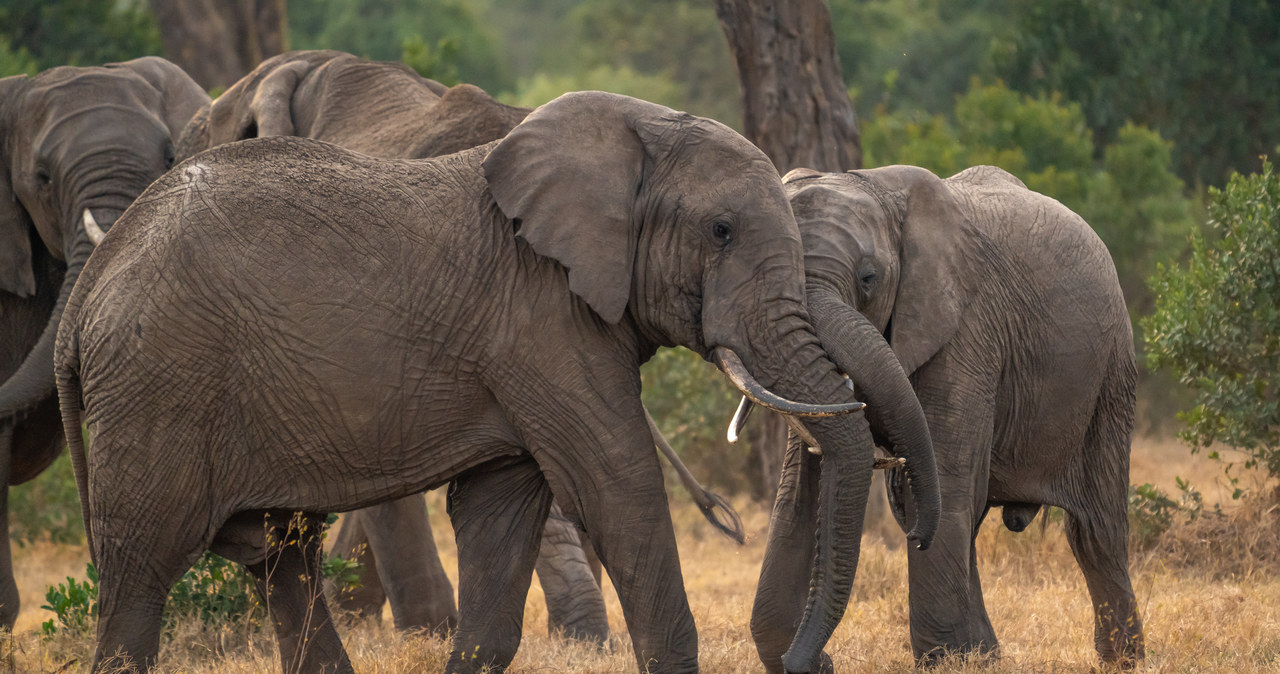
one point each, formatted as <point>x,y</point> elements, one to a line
<point>403,548</point>
<point>575,605</point>
<point>948,614</point>
<point>498,510</point>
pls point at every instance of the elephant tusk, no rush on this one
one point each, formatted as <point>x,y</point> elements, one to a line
<point>737,373</point>
<point>740,419</point>
<point>92,229</point>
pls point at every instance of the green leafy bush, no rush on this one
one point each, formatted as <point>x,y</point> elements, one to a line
<point>214,590</point>
<point>1152,512</point>
<point>1217,322</point>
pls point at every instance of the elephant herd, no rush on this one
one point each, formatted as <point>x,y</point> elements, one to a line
<point>341,284</point>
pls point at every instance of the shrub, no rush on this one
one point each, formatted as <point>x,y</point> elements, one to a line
<point>1217,323</point>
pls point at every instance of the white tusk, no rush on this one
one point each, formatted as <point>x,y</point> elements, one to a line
<point>92,229</point>
<point>740,419</point>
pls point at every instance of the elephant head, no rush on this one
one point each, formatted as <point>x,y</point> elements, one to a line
<point>692,239</point>
<point>378,108</point>
<point>883,249</point>
<point>77,146</point>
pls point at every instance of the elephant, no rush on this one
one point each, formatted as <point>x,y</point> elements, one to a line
<point>387,110</point>
<point>1004,307</point>
<point>77,145</point>
<point>290,355</point>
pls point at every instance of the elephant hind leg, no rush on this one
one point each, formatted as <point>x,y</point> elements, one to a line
<point>575,605</point>
<point>402,548</point>
<point>289,582</point>
<point>1097,520</point>
<point>138,563</point>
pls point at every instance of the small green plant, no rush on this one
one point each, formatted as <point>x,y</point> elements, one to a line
<point>74,605</point>
<point>1152,512</point>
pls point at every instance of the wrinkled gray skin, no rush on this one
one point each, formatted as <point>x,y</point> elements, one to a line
<point>383,110</point>
<point>1003,306</point>
<point>70,139</point>
<point>387,110</point>
<point>325,331</point>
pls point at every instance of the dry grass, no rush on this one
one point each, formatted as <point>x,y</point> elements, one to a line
<point>1201,615</point>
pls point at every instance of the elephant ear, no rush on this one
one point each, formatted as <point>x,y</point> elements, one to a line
<point>17,275</point>
<point>569,174</point>
<point>180,96</point>
<point>927,307</point>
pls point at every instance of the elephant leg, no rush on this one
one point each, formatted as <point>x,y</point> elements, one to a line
<point>948,614</point>
<point>9,600</point>
<point>139,559</point>
<point>593,560</point>
<point>403,548</point>
<point>575,606</point>
<point>352,544</point>
<point>289,582</point>
<point>784,576</point>
<point>498,511</point>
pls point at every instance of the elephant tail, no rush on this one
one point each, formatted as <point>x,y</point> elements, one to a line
<point>718,512</point>
<point>67,368</point>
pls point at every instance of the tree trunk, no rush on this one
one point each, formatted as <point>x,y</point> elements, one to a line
<point>218,41</point>
<point>795,103</point>
<point>796,108</point>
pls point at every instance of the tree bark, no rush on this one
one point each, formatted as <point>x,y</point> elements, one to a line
<point>795,103</point>
<point>218,41</point>
<point>796,108</point>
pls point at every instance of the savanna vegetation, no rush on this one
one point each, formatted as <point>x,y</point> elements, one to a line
<point>1147,118</point>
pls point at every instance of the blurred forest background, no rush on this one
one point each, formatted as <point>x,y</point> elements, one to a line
<point>1127,111</point>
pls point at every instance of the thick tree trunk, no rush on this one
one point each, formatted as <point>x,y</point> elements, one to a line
<point>218,41</point>
<point>795,103</point>
<point>796,108</point>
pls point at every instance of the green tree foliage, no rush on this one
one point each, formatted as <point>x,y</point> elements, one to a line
<point>675,48</point>
<point>1217,322</point>
<point>913,54</point>
<point>1131,197</point>
<point>16,61</point>
<point>1206,74</point>
<point>75,32</point>
<point>47,507</point>
<point>389,29</point>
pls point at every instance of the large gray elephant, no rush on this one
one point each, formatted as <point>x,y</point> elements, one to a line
<point>1003,305</point>
<point>77,145</point>
<point>323,331</point>
<point>387,110</point>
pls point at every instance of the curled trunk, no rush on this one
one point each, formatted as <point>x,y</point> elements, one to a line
<point>33,382</point>
<point>893,409</point>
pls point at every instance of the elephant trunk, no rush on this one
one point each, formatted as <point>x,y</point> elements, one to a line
<point>793,364</point>
<point>893,409</point>
<point>33,381</point>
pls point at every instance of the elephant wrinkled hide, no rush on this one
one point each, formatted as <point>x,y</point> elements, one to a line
<point>370,328</point>
<point>1004,308</point>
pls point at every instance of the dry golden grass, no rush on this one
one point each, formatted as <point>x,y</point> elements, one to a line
<point>1200,616</point>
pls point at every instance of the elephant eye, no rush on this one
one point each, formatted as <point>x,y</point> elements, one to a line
<point>867,277</point>
<point>722,230</point>
<point>168,156</point>
<point>43,177</point>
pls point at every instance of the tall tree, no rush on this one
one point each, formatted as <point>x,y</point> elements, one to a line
<point>218,41</point>
<point>796,108</point>
<point>795,104</point>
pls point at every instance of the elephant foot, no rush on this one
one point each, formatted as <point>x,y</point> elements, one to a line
<point>981,651</point>
<point>1122,647</point>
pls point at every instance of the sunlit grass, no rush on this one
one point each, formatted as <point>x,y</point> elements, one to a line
<point>1203,613</point>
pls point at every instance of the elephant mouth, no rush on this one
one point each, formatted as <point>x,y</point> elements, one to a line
<point>731,365</point>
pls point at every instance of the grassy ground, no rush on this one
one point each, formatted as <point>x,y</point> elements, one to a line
<point>1210,600</point>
